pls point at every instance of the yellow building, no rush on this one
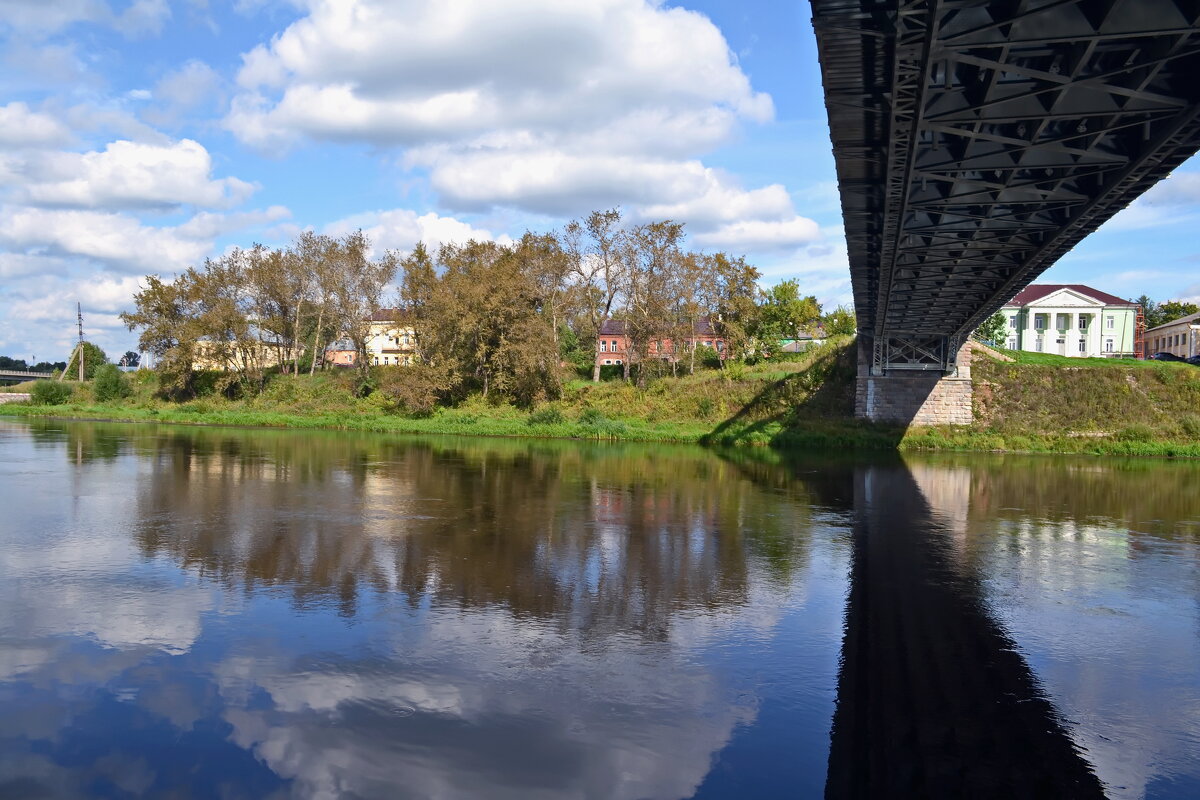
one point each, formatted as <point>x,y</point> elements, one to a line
<point>1179,337</point>
<point>392,339</point>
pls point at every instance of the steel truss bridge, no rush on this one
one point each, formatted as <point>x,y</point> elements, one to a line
<point>977,142</point>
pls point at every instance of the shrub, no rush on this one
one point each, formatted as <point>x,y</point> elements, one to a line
<point>546,416</point>
<point>1136,433</point>
<point>110,384</point>
<point>50,393</point>
<point>735,370</point>
<point>596,424</point>
<point>416,389</point>
<point>1190,424</point>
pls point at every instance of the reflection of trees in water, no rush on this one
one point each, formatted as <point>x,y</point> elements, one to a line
<point>594,537</point>
<point>1148,495</point>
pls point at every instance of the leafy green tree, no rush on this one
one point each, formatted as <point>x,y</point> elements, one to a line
<point>50,393</point>
<point>991,330</point>
<point>785,313</point>
<point>110,384</point>
<point>1172,310</point>
<point>130,359</point>
<point>840,322</point>
<point>93,358</point>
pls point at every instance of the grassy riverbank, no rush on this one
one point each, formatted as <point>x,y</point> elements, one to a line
<point>1046,404</point>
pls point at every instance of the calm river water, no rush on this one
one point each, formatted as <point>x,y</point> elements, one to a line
<point>247,614</point>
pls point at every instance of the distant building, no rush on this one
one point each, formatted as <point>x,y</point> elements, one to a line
<point>1070,320</point>
<point>392,339</point>
<point>340,353</point>
<point>1180,336</point>
<point>612,344</point>
<point>222,356</point>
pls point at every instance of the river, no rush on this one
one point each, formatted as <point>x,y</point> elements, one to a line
<point>205,612</point>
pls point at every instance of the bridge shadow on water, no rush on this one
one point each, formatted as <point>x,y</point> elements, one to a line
<point>933,697</point>
<point>934,700</point>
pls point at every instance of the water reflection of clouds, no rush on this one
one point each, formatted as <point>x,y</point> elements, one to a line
<point>572,665</point>
<point>486,704</point>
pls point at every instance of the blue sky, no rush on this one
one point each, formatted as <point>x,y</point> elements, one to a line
<point>140,137</point>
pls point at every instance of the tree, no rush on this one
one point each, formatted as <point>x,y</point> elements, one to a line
<point>840,322</point>
<point>110,384</point>
<point>785,314</point>
<point>596,252</point>
<point>991,330</point>
<point>1149,310</point>
<point>130,359</point>
<point>1172,310</point>
<point>93,358</point>
<point>733,310</point>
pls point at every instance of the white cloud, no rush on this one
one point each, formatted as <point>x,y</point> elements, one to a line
<point>134,175</point>
<point>115,239</point>
<point>40,17</point>
<point>409,72</point>
<point>142,18</point>
<point>400,229</point>
<point>194,86</point>
<point>761,235</point>
<point>20,127</point>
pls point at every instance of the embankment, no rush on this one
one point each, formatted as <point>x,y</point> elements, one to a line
<point>1034,404</point>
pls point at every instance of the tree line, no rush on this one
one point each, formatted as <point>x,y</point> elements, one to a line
<point>498,319</point>
<point>1156,313</point>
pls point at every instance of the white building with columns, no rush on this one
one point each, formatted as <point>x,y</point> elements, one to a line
<point>1070,320</point>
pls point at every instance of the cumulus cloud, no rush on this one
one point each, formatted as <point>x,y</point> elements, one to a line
<point>135,175</point>
<point>119,241</point>
<point>761,235</point>
<point>401,228</point>
<point>194,86</point>
<point>21,127</point>
<point>474,66</point>
<point>540,105</point>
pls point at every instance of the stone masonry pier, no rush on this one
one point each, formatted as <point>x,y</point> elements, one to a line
<point>914,397</point>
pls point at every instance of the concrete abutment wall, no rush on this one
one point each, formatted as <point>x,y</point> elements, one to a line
<point>914,398</point>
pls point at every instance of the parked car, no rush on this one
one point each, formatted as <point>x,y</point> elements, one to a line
<point>1165,357</point>
<point>1193,360</point>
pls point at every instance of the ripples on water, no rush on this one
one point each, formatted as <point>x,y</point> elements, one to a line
<point>203,612</point>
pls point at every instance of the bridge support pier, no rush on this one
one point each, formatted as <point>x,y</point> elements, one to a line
<point>913,397</point>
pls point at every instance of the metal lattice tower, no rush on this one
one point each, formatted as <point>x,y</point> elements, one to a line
<point>977,142</point>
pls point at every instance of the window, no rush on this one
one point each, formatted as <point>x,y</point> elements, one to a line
<point>720,347</point>
<point>1110,322</point>
<point>1108,345</point>
<point>603,347</point>
<point>1038,344</point>
<point>1083,322</point>
<point>1039,322</point>
<point>608,361</point>
<point>1012,322</point>
<point>708,343</point>
<point>614,345</point>
<point>1083,345</point>
<point>1062,321</point>
<point>1012,343</point>
<point>618,361</point>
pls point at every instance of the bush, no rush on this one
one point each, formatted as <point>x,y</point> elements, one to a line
<point>416,389</point>
<point>600,426</point>
<point>1190,424</point>
<point>1136,433</point>
<point>110,384</point>
<point>50,393</point>
<point>708,357</point>
<point>546,416</point>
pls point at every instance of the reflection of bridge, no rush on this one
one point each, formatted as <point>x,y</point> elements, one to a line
<point>976,143</point>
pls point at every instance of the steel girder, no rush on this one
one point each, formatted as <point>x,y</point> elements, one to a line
<point>977,142</point>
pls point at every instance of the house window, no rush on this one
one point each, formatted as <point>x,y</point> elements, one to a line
<point>1063,321</point>
<point>603,347</point>
<point>1110,322</point>
<point>1038,344</point>
<point>1083,345</point>
<point>618,361</point>
<point>708,343</point>
<point>1039,322</point>
<point>1108,345</point>
<point>614,345</point>
<point>720,347</point>
<point>608,361</point>
<point>1083,322</point>
<point>1012,343</point>
<point>1012,322</point>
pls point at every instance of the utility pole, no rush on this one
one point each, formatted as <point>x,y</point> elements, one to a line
<point>79,313</point>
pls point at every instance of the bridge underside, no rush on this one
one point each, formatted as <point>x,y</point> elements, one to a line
<point>977,142</point>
